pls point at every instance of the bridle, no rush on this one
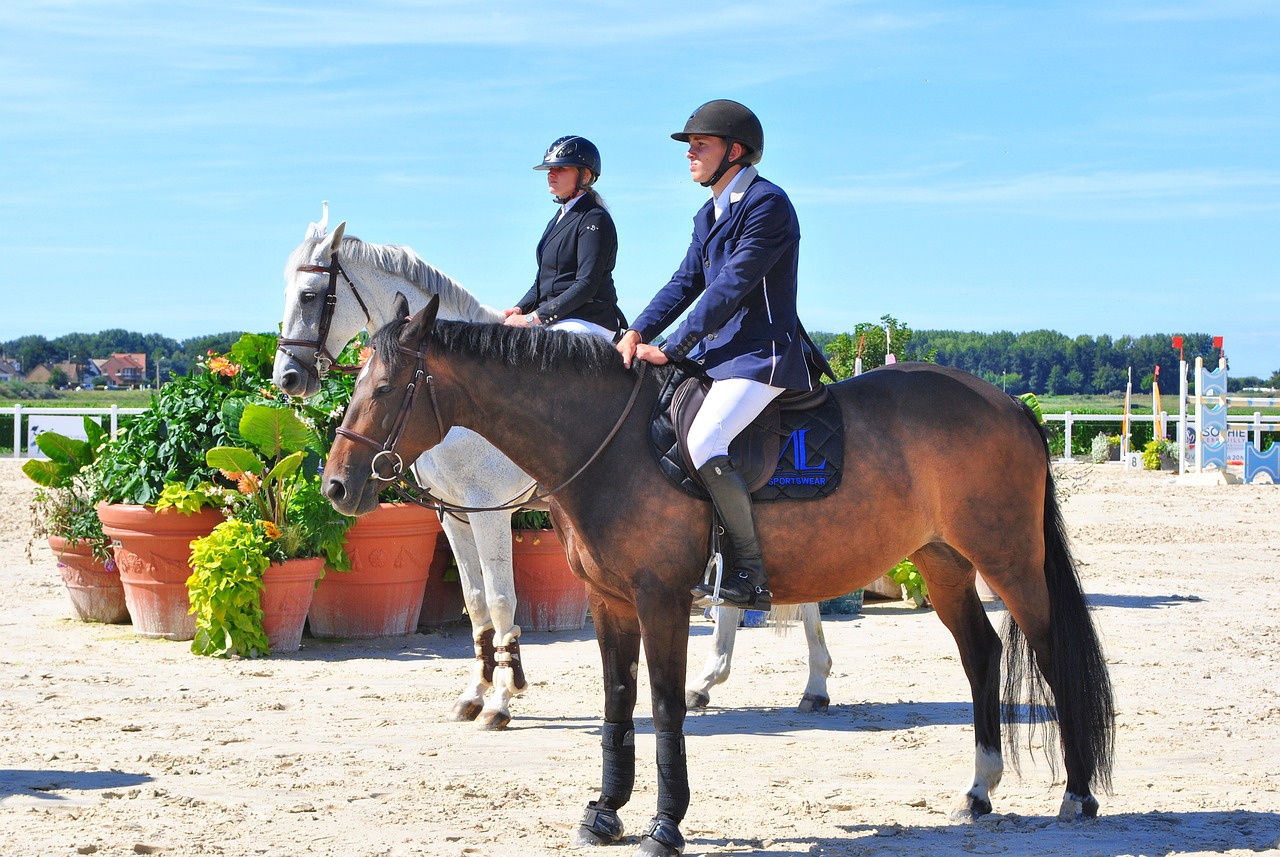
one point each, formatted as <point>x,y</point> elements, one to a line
<point>321,360</point>
<point>385,452</point>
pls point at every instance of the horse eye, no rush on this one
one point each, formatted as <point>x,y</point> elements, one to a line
<point>306,297</point>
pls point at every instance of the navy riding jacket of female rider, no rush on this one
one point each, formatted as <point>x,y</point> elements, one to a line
<point>744,267</point>
<point>575,268</point>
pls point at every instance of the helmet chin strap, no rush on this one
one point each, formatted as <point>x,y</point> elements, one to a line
<point>725,164</point>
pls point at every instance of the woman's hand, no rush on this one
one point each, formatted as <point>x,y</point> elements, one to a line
<point>516,317</point>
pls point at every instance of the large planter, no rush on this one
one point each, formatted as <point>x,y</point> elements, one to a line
<point>391,551</point>
<point>442,600</point>
<point>152,551</point>
<point>94,589</point>
<point>287,589</point>
<point>549,596</point>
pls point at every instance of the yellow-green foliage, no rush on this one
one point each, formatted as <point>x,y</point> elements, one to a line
<point>225,588</point>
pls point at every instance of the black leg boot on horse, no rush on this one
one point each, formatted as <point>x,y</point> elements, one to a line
<point>746,586</point>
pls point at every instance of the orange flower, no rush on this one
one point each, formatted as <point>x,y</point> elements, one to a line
<point>273,532</point>
<point>246,483</point>
<point>223,366</point>
<point>365,354</point>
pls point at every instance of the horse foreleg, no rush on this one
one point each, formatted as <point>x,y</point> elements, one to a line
<point>470,702</point>
<point>951,589</point>
<point>618,635</point>
<point>492,534</point>
<point>664,618</point>
<point>720,661</point>
<point>815,692</point>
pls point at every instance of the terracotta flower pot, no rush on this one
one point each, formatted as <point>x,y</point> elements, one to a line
<point>442,601</point>
<point>152,551</point>
<point>95,590</point>
<point>549,596</point>
<point>287,589</point>
<point>391,551</point>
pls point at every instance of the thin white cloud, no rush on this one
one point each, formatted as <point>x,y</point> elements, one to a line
<point>1104,193</point>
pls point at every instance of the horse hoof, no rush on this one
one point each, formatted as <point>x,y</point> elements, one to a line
<point>599,826</point>
<point>662,839</point>
<point>1075,807</point>
<point>466,710</point>
<point>971,808</point>
<point>695,699</point>
<point>494,721</point>
<point>811,704</point>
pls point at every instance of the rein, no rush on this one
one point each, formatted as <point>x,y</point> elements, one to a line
<point>321,360</point>
<point>415,494</point>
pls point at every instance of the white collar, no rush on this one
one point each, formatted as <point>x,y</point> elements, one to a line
<point>564,207</point>
<point>735,190</point>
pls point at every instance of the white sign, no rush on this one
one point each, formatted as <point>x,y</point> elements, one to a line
<point>1236,439</point>
<point>67,426</point>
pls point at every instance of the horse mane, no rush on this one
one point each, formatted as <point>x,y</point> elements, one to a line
<point>538,347</point>
<point>405,263</point>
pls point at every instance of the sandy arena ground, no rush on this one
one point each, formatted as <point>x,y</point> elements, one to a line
<point>111,744</point>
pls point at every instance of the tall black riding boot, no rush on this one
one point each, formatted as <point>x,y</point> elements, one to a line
<point>745,585</point>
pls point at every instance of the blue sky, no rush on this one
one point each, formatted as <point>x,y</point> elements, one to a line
<point>1092,168</point>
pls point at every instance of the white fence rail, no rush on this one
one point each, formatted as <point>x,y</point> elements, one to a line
<point>1255,424</point>
<point>24,418</point>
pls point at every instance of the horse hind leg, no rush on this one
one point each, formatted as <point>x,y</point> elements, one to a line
<point>950,579</point>
<point>815,697</point>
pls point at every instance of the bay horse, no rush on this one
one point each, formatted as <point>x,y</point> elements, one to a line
<point>946,469</point>
<point>336,285</point>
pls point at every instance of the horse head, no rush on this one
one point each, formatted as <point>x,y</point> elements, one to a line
<point>382,427</point>
<point>319,319</point>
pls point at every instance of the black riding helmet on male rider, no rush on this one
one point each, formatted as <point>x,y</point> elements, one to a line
<point>732,121</point>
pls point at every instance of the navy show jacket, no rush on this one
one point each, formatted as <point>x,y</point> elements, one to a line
<point>575,268</point>
<point>742,271</point>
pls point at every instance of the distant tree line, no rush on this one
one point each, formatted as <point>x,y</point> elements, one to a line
<point>1039,361</point>
<point>172,356</point>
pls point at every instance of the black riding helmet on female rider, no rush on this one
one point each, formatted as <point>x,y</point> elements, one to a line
<point>573,151</point>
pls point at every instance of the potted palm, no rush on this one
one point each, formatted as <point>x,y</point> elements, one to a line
<point>253,576</point>
<point>63,514</point>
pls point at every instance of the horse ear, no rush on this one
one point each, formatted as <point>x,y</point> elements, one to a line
<point>335,240</point>
<point>421,325</point>
<point>400,306</point>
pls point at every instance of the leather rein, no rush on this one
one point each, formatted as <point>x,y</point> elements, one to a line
<point>385,452</point>
<point>321,360</point>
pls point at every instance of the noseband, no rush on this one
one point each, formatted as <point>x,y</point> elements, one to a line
<point>321,360</point>
<point>385,452</point>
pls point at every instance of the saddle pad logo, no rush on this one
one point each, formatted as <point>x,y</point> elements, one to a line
<point>795,464</point>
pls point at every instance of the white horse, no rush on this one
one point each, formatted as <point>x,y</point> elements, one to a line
<point>335,285</point>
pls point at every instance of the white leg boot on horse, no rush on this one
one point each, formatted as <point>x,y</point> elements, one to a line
<point>746,586</point>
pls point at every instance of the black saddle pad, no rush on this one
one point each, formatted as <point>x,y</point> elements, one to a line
<point>809,466</point>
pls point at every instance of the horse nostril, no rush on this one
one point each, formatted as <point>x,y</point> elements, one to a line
<point>334,490</point>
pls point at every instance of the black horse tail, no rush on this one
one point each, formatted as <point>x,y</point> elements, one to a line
<point>1084,705</point>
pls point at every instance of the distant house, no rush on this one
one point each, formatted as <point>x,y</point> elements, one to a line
<point>125,370</point>
<point>10,371</point>
<point>77,373</point>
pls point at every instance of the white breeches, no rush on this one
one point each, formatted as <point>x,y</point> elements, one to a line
<point>730,406</point>
<point>577,325</point>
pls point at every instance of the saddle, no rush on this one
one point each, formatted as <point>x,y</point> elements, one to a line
<point>793,451</point>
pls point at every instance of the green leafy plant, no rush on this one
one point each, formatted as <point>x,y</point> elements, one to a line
<point>225,589</point>
<point>68,491</point>
<point>908,576</point>
<point>1152,451</point>
<point>278,514</point>
<point>531,519</point>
